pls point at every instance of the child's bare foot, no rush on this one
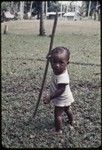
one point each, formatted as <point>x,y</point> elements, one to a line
<point>58,132</point>
<point>71,124</point>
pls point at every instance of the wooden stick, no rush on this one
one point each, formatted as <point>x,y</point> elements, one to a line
<point>47,64</point>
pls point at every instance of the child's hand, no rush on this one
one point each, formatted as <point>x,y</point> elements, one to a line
<point>48,56</point>
<point>46,99</point>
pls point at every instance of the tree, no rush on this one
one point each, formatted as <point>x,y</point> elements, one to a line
<point>92,9</point>
<point>42,29</point>
<point>31,7</point>
<point>21,9</point>
<point>5,6</point>
<point>98,10</point>
<point>53,6</point>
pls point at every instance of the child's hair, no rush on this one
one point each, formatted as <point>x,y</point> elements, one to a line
<point>60,50</point>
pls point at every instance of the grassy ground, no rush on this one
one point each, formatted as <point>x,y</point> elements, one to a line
<point>23,62</point>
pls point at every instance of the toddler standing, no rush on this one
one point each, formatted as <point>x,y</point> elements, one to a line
<point>60,92</point>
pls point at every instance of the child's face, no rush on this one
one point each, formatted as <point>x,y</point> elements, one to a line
<point>59,62</point>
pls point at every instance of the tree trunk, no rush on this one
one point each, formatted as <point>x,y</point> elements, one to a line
<point>31,7</point>
<point>11,7</point>
<point>46,9</point>
<point>5,29</point>
<point>89,9</point>
<point>42,29</point>
<point>21,9</point>
<point>98,11</point>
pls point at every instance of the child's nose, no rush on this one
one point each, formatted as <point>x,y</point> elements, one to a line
<point>57,65</point>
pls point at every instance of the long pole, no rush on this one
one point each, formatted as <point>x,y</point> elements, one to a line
<point>47,64</point>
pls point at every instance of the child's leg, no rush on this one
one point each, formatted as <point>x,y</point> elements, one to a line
<point>69,113</point>
<point>58,118</point>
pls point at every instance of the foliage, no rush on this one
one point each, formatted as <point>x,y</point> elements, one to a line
<point>92,6</point>
<point>5,6</point>
<point>53,6</point>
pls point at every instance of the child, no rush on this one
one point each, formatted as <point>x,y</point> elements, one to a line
<point>60,92</point>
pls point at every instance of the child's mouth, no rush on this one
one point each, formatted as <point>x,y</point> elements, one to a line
<point>57,71</point>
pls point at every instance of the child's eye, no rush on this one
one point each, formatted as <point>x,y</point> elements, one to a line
<point>61,62</point>
<point>54,61</point>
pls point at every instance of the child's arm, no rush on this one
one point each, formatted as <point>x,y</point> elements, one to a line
<point>58,92</point>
